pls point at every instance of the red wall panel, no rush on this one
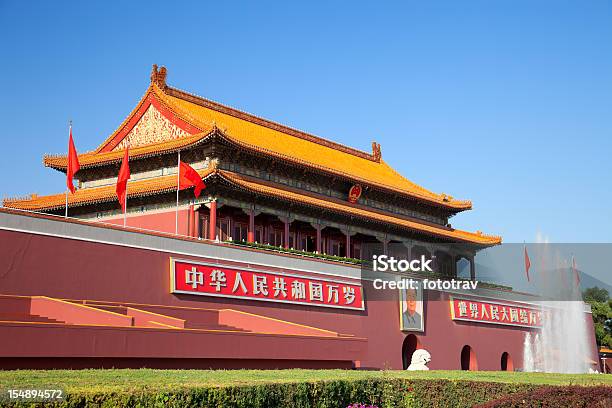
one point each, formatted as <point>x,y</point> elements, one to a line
<point>72,269</point>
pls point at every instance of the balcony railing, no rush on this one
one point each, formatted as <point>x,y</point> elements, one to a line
<point>299,252</point>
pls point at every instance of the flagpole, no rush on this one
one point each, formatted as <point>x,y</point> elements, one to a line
<point>127,146</point>
<point>178,183</point>
<point>125,204</point>
<point>69,132</point>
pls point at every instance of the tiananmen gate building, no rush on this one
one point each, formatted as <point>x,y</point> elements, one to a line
<point>262,270</point>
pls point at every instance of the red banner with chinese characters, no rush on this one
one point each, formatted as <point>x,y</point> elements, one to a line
<point>217,280</point>
<point>495,313</point>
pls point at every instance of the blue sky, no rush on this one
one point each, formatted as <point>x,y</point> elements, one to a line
<point>506,103</point>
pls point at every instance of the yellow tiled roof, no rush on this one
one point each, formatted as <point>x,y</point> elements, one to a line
<point>269,138</point>
<point>84,196</point>
<point>139,188</point>
<point>91,159</point>
<point>284,193</point>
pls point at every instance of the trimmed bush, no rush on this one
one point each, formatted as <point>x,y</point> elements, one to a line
<point>323,394</point>
<point>569,396</point>
<point>382,392</point>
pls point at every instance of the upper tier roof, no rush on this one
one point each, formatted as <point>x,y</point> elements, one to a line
<point>199,118</point>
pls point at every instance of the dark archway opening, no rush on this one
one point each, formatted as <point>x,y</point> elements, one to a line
<point>468,359</point>
<point>411,343</point>
<point>506,362</point>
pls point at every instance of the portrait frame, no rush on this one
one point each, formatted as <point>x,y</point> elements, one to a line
<point>412,322</point>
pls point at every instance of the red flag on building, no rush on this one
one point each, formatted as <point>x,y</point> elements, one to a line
<point>124,176</point>
<point>575,271</point>
<point>188,177</point>
<point>527,264</point>
<point>73,163</point>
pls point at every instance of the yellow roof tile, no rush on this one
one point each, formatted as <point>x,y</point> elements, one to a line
<point>91,159</point>
<point>307,152</point>
<point>162,184</point>
<point>269,138</point>
<point>84,196</point>
<point>356,210</point>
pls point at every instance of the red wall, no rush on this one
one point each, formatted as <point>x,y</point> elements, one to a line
<point>163,221</point>
<point>71,269</point>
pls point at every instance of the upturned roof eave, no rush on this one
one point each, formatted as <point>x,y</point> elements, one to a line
<point>59,162</point>
<point>160,90</point>
<point>472,238</point>
<point>236,142</point>
<point>105,194</point>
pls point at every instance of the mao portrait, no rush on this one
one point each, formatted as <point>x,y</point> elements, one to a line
<point>411,309</point>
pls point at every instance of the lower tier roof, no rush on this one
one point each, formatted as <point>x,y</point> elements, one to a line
<point>164,184</point>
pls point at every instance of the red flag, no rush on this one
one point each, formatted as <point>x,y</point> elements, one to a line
<point>527,264</point>
<point>73,163</point>
<point>122,179</point>
<point>188,177</point>
<point>575,270</point>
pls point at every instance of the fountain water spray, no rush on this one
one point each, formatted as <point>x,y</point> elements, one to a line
<point>528,361</point>
<point>562,345</point>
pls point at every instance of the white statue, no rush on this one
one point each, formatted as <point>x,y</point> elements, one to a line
<point>420,358</point>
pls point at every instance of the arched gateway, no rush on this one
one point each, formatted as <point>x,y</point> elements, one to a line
<point>411,343</point>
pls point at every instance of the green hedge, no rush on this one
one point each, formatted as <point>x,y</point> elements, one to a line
<point>325,394</point>
<point>569,396</point>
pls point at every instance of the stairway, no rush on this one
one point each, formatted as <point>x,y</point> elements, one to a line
<point>25,317</point>
<point>211,326</point>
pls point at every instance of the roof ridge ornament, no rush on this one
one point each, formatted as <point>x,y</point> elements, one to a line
<point>376,152</point>
<point>158,76</point>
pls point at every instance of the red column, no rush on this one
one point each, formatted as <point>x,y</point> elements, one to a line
<point>213,220</point>
<point>348,245</point>
<point>319,238</point>
<point>286,234</point>
<point>191,220</point>
<point>196,224</point>
<point>251,232</point>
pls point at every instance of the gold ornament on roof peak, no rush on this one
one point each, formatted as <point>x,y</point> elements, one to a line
<point>158,76</point>
<point>376,152</point>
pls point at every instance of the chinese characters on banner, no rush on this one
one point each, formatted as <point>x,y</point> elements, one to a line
<point>215,280</point>
<point>487,312</point>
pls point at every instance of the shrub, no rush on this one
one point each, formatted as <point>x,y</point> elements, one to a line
<point>549,396</point>
<point>378,392</point>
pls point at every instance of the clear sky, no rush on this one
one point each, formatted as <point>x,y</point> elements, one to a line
<point>506,103</point>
